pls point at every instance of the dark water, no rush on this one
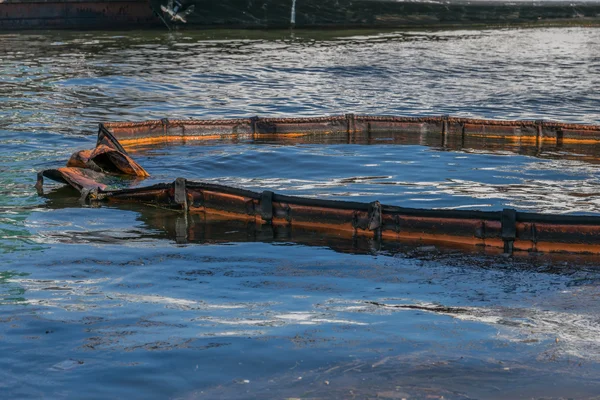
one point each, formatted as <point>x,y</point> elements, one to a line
<point>103,302</point>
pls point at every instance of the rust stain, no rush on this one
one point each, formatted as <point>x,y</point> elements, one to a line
<point>80,159</point>
<point>112,160</point>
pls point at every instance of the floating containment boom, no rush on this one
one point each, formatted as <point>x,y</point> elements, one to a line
<point>507,230</point>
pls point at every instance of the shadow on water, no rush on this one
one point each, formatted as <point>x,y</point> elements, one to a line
<point>181,229</point>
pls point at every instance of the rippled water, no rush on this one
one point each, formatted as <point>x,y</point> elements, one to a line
<point>408,175</point>
<point>105,301</point>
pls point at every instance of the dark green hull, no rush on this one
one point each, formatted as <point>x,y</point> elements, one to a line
<point>118,14</point>
<point>381,13</point>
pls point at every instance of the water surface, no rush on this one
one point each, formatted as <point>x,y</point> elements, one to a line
<point>108,302</point>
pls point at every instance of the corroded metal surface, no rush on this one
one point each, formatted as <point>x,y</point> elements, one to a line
<point>508,230</point>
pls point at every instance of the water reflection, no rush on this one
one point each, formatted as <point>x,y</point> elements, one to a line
<point>329,316</point>
<point>91,76</point>
<point>108,302</point>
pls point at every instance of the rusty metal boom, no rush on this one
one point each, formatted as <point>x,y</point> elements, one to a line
<point>508,230</point>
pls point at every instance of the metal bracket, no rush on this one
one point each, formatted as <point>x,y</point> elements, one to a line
<point>539,125</point>
<point>375,218</point>
<point>266,206</point>
<point>445,119</point>
<point>165,124</point>
<point>509,229</point>
<point>253,124</point>
<point>180,195</point>
<point>350,126</point>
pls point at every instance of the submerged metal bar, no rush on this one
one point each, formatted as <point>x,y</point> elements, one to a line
<point>509,229</point>
<point>180,193</point>
<point>266,206</point>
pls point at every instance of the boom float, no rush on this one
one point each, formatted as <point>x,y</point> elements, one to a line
<point>507,230</point>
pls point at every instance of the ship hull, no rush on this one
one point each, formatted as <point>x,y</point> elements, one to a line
<point>382,13</point>
<point>273,14</point>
